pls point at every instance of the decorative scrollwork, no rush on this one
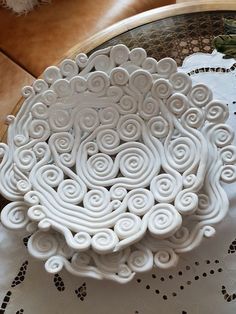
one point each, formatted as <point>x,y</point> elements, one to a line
<point>115,163</point>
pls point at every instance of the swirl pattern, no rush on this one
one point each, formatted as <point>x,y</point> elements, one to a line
<point>54,264</point>
<point>228,154</point>
<point>51,74</point>
<point>177,104</point>
<point>181,82</point>
<point>63,142</point>
<point>119,54</point>
<point>127,225</point>
<point>106,157</point>
<point>158,126</point>
<point>68,68</point>
<point>36,213</point>
<point>140,81</point>
<point>216,112</point>
<point>186,202</point>
<point>96,200</point>
<point>127,105</point>
<point>78,84</point>
<point>228,173</point>
<point>51,175</point>
<point>118,192</point>
<point>100,166</point>
<point>134,163</point>
<point>222,135</point>
<point>59,120</point>
<point>182,151</point>
<point>104,241</point>
<point>39,111</point>
<point>119,76</point>
<point>162,89</point>
<point>109,116</point>
<point>200,95</point>
<point>164,221</point>
<point>129,128</point>
<point>102,63</point>
<point>70,191</point>
<point>148,108</point>
<point>166,67</point>
<point>43,245</point>
<point>61,88</point>
<point>108,139</point>
<point>150,64</point>
<point>193,118</point>
<point>88,119</point>
<point>83,240</point>
<point>14,215</point>
<point>165,258</point>
<point>137,56</point>
<point>140,260</point>
<point>49,97</point>
<point>98,82</point>
<point>39,129</point>
<point>40,85</point>
<point>165,187</point>
<point>140,201</point>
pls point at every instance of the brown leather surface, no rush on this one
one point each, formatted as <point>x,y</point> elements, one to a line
<point>12,78</point>
<point>39,38</point>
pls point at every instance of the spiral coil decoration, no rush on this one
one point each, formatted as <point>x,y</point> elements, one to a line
<point>140,201</point>
<point>165,187</point>
<point>115,163</point>
<point>164,221</point>
<point>14,215</point>
<point>127,225</point>
<point>104,241</point>
<point>43,245</point>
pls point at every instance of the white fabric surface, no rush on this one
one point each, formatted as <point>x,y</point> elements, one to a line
<point>184,291</point>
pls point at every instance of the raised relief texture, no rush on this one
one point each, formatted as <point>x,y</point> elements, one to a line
<point>114,163</point>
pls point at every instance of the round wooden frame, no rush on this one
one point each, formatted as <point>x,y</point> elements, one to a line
<point>133,22</point>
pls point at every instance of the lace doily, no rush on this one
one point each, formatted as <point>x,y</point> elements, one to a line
<point>208,270</point>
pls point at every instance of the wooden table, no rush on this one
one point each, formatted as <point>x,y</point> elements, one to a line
<point>175,31</point>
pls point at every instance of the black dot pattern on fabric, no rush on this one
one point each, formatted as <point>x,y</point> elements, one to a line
<point>25,240</point>
<point>21,311</point>
<point>216,69</point>
<point>58,282</point>
<point>232,247</point>
<point>157,280</point>
<point>21,275</point>
<point>81,292</point>
<point>228,297</point>
<point>5,302</point>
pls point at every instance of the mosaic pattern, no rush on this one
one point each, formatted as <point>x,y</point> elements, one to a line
<point>175,37</point>
<point>81,292</point>
<point>58,282</point>
<point>21,275</point>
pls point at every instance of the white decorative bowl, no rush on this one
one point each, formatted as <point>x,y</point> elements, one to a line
<point>114,163</point>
